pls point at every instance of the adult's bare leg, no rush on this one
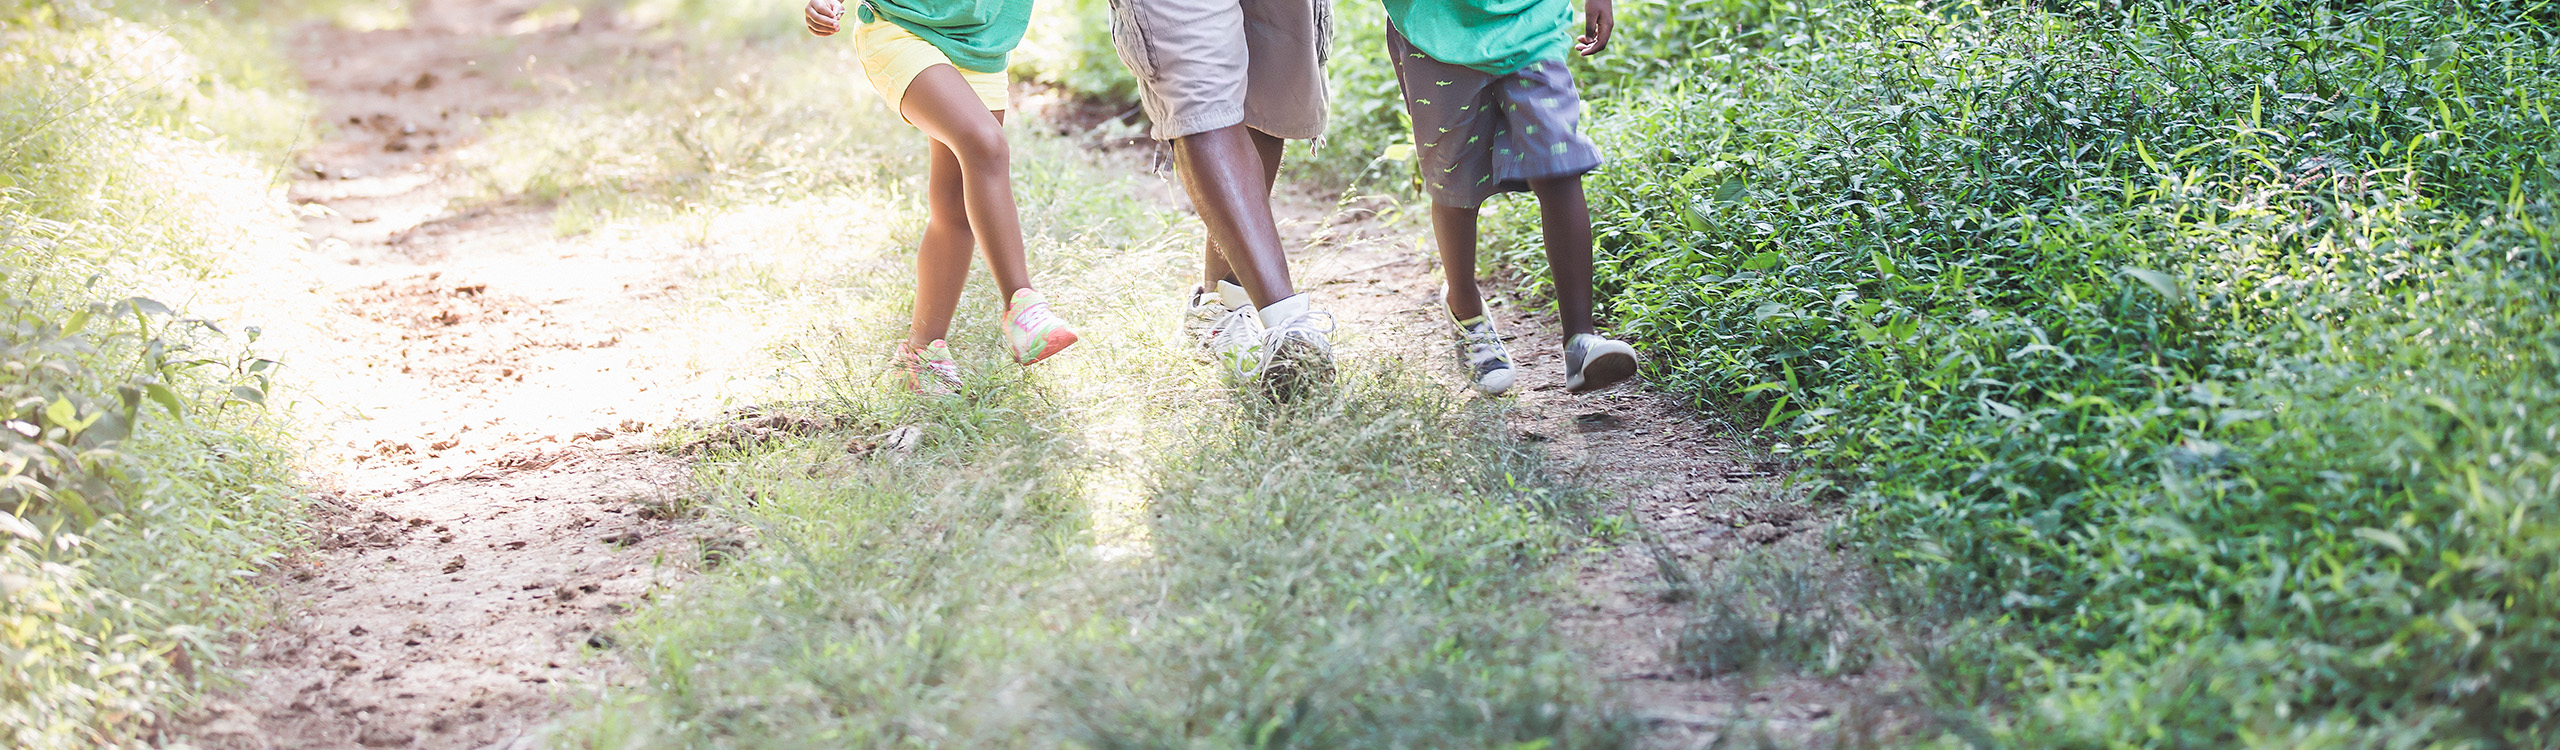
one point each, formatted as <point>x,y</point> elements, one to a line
<point>1224,174</point>
<point>1214,267</point>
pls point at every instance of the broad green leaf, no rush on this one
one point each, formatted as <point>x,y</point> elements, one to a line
<point>2384,538</point>
<point>147,306</point>
<point>61,413</point>
<point>167,399</point>
<point>2159,282</point>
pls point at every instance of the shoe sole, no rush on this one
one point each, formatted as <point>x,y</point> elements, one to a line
<point>1058,341</point>
<point>1603,371</point>
<point>1495,383</point>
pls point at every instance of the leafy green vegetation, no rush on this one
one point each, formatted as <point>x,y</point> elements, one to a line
<point>2211,350</point>
<point>2205,352</point>
<point>142,484</point>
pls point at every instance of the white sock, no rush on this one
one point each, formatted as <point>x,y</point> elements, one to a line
<point>1233,296</point>
<point>1280,312</point>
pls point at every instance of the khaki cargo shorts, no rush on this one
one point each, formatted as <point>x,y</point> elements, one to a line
<point>1208,64</point>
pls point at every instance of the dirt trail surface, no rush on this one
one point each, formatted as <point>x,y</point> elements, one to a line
<point>1695,493</point>
<point>485,394</point>
<point>482,395</point>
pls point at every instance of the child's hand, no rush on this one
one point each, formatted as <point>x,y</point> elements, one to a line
<point>823,15</point>
<point>1598,18</point>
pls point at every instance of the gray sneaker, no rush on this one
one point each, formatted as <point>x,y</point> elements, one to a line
<point>1592,363</point>
<point>1488,360</point>
<point>1296,357</point>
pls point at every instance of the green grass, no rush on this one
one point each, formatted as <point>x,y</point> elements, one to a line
<point>2202,354</point>
<point>2209,352</point>
<point>144,484</point>
<point>1105,550</point>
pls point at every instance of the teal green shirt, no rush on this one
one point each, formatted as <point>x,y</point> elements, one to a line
<point>1495,36</point>
<point>976,34</point>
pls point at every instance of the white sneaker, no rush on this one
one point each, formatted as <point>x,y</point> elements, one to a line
<point>1592,362</point>
<point>1214,313</point>
<point>1296,356</point>
<point>1488,360</point>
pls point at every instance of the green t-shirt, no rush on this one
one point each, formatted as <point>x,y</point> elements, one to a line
<point>975,34</point>
<point>1495,36</point>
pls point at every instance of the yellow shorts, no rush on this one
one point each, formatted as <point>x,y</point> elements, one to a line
<point>892,57</point>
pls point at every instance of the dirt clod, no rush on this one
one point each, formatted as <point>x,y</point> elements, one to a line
<point>454,565</point>
<point>384,737</point>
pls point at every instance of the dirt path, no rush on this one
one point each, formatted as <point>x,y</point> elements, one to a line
<point>1694,491</point>
<point>482,396</point>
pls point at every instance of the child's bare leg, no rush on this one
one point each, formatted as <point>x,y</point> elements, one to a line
<point>1455,229</point>
<point>942,264</point>
<point>941,103</point>
<point>1565,217</point>
<point>1214,268</point>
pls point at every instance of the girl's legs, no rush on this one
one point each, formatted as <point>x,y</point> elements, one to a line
<point>1565,219</point>
<point>942,264</point>
<point>970,195</point>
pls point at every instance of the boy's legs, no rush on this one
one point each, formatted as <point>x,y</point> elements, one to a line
<point>1455,230</point>
<point>970,194</point>
<point>1565,219</point>
<point>1564,216</point>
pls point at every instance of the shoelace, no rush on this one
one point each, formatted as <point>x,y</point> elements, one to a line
<point>1305,323</point>
<point>1233,320</point>
<point>1034,317</point>
<point>1483,345</point>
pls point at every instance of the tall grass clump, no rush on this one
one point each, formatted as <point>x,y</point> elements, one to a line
<point>1367,589</point>
<point>1101,549</point>
<point>142,485</point>
<point>2213,351</point>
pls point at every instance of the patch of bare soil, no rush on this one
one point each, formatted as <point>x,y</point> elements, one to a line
<point>483,398</point>
<point>456,614</point>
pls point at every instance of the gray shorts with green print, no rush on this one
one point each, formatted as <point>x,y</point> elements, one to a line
<point>1208,64</point>
<point>1477,135</point>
